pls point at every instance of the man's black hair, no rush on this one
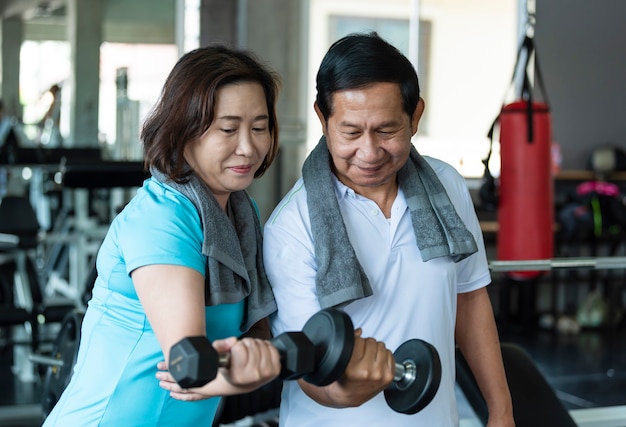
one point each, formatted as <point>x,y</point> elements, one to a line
<point>359,60</point>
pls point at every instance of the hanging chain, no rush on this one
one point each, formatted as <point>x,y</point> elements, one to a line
<point>530,18</point>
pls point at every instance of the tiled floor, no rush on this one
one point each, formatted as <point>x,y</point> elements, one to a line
<point>586,370</point>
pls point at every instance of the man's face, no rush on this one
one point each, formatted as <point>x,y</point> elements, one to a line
<point>369,135</point>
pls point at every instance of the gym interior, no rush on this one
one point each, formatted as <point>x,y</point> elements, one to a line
<point>78,77</point>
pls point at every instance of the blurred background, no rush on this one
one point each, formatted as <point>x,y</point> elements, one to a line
<point>77,78</point>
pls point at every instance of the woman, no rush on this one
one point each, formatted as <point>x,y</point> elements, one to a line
<point>183,258</point>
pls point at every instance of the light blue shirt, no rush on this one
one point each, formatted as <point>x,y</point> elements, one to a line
<point>114,381</point>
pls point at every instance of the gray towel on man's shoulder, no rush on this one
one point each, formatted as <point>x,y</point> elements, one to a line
<point>438,229</point>
<point>234,265</point>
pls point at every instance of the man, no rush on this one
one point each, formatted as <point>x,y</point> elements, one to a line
<point>388,235</point>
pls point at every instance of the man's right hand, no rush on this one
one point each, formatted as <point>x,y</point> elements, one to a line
<point>370,371</point>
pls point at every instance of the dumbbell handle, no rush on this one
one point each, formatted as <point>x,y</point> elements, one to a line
<point>218,360</point>
<point>223,358</point>
<point>404,374</point>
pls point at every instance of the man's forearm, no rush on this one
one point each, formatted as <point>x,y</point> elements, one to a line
<point>477,337</point>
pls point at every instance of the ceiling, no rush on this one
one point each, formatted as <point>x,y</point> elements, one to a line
<point>136,21</point>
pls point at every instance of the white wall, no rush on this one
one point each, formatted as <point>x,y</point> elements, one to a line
<point>582,52</point>
<point>472,53</point>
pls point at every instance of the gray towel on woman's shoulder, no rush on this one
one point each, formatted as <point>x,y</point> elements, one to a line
<point>234,250</point>
<point>438,229</point>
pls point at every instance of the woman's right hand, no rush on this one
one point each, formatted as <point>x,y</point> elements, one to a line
<point>253,362</point>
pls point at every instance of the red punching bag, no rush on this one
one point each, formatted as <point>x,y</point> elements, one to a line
<point>526,195</point>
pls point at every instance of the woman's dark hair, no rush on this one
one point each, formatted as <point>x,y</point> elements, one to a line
<point>186,106</point>
<point>359,60</point>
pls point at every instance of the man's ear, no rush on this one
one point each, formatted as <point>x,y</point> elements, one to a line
<point>320,116</point>
<point>417,115</point>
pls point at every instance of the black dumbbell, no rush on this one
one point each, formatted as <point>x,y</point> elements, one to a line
<point>319,353</point>
<point>416,378</point>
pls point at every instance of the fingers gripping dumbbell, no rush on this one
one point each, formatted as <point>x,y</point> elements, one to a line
<point>416,378</point>
<point>319,353</point>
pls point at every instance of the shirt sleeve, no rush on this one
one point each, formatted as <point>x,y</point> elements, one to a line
<point>290,266</point>
<point>162,228</point>
<point>472,272</point>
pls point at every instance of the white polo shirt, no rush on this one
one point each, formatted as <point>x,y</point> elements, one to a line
<point>411,298</point>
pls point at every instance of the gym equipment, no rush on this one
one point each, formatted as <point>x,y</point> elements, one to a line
<point>525,214</point>
<point>319,354</point>
<point>535,403</point>
<point>20,228</point>
<point>332,352</point>
<point>61,361</point>
<point>526,190</point>
<point>606,159</point>
<point>416,378</point>
<point>591,263</point>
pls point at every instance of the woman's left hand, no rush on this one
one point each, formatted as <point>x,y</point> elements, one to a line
<point>167,382</point>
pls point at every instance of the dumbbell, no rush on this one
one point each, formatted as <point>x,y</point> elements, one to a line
<point>319,353</point>
<point>416,378</point>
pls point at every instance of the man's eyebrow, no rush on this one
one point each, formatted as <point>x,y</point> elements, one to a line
<point>390,123</point>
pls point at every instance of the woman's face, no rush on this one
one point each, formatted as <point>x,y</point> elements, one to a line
<point>228,154</point>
